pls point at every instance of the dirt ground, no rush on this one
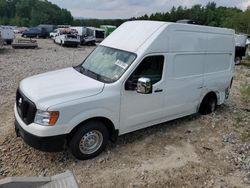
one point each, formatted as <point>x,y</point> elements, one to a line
<point>195,151</point>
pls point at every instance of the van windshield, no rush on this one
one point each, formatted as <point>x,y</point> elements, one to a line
<point>106,64</point>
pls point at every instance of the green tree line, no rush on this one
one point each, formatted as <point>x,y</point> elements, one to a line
<point>98,22</point>
<point>35,12</point>
<point>210,15</point>
<point>32,13</point>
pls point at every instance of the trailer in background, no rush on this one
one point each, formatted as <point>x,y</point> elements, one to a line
<point>108,29</point>
<point>1,40</point>
<point>240,47</point>
<point>248,40</point>
<point>98,33</point>
<point>86,35</point>
<point>24,44</point>
<point>47,27</point>
<point>7,34</point>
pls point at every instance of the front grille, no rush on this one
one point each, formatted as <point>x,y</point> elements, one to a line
<point>25,108</point>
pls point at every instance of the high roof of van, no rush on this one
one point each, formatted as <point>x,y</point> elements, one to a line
<point>131,35</point>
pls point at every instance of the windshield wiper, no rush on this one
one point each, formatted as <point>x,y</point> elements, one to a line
<point>90,73</point>
<point>94,75</point>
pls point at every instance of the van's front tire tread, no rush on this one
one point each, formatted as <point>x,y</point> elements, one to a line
<point>86,127</point>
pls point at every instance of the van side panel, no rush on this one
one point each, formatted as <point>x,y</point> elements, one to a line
<point>188,65</point>
<point>217,74</point>
<point>218,64</point>
<point>187,41</point>
<point>183,83</point>
<point>220,42</point>
<point>215,63</point>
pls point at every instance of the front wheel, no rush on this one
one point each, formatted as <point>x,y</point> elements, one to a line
<point>89,140</point>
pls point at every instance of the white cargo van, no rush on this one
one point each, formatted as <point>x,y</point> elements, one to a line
<point>7,34</point>
<point>144,73</point>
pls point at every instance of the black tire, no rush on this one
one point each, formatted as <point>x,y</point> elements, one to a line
<point>83,131</point>
<point>9,42</point>
<point>208,105</point>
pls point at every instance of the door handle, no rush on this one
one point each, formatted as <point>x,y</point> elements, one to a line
<point>200,87</point>
<point>158,90</point>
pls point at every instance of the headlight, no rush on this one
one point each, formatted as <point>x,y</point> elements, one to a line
<point>46,118</point>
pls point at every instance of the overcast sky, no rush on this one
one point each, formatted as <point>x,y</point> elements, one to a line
<point>132,8</point>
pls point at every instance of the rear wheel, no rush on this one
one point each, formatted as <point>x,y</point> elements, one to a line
<point>9,42</point>
<point>89,140</point>
<point>208,104</point>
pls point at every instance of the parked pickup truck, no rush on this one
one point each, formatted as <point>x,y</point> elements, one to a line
<point>144,73</point>
<point>67,39</point>
<point>35,32</point>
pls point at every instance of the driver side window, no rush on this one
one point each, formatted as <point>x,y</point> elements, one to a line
<point>150,67</point>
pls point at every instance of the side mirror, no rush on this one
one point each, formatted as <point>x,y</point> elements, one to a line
<point>144,86</point>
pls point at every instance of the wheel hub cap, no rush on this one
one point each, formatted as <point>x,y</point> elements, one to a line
<point>91,142</point>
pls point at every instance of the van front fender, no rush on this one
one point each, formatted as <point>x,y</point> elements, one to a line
<point>93,113</point>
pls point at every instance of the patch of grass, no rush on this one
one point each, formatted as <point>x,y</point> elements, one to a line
<point>245,136</point>
<point>238,121</point>
<point>248,58</point>
<point>246,63</point>
<point>245,92</point>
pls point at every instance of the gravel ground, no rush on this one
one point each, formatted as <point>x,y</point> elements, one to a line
<point>195,151</point>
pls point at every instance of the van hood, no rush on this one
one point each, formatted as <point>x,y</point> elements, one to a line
<point>60,86</point>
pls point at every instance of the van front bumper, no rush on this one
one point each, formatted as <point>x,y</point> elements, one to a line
<point>50,143</point>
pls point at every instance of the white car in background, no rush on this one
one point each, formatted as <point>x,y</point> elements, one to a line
<point>53,34</point>
<point>67,37</point>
